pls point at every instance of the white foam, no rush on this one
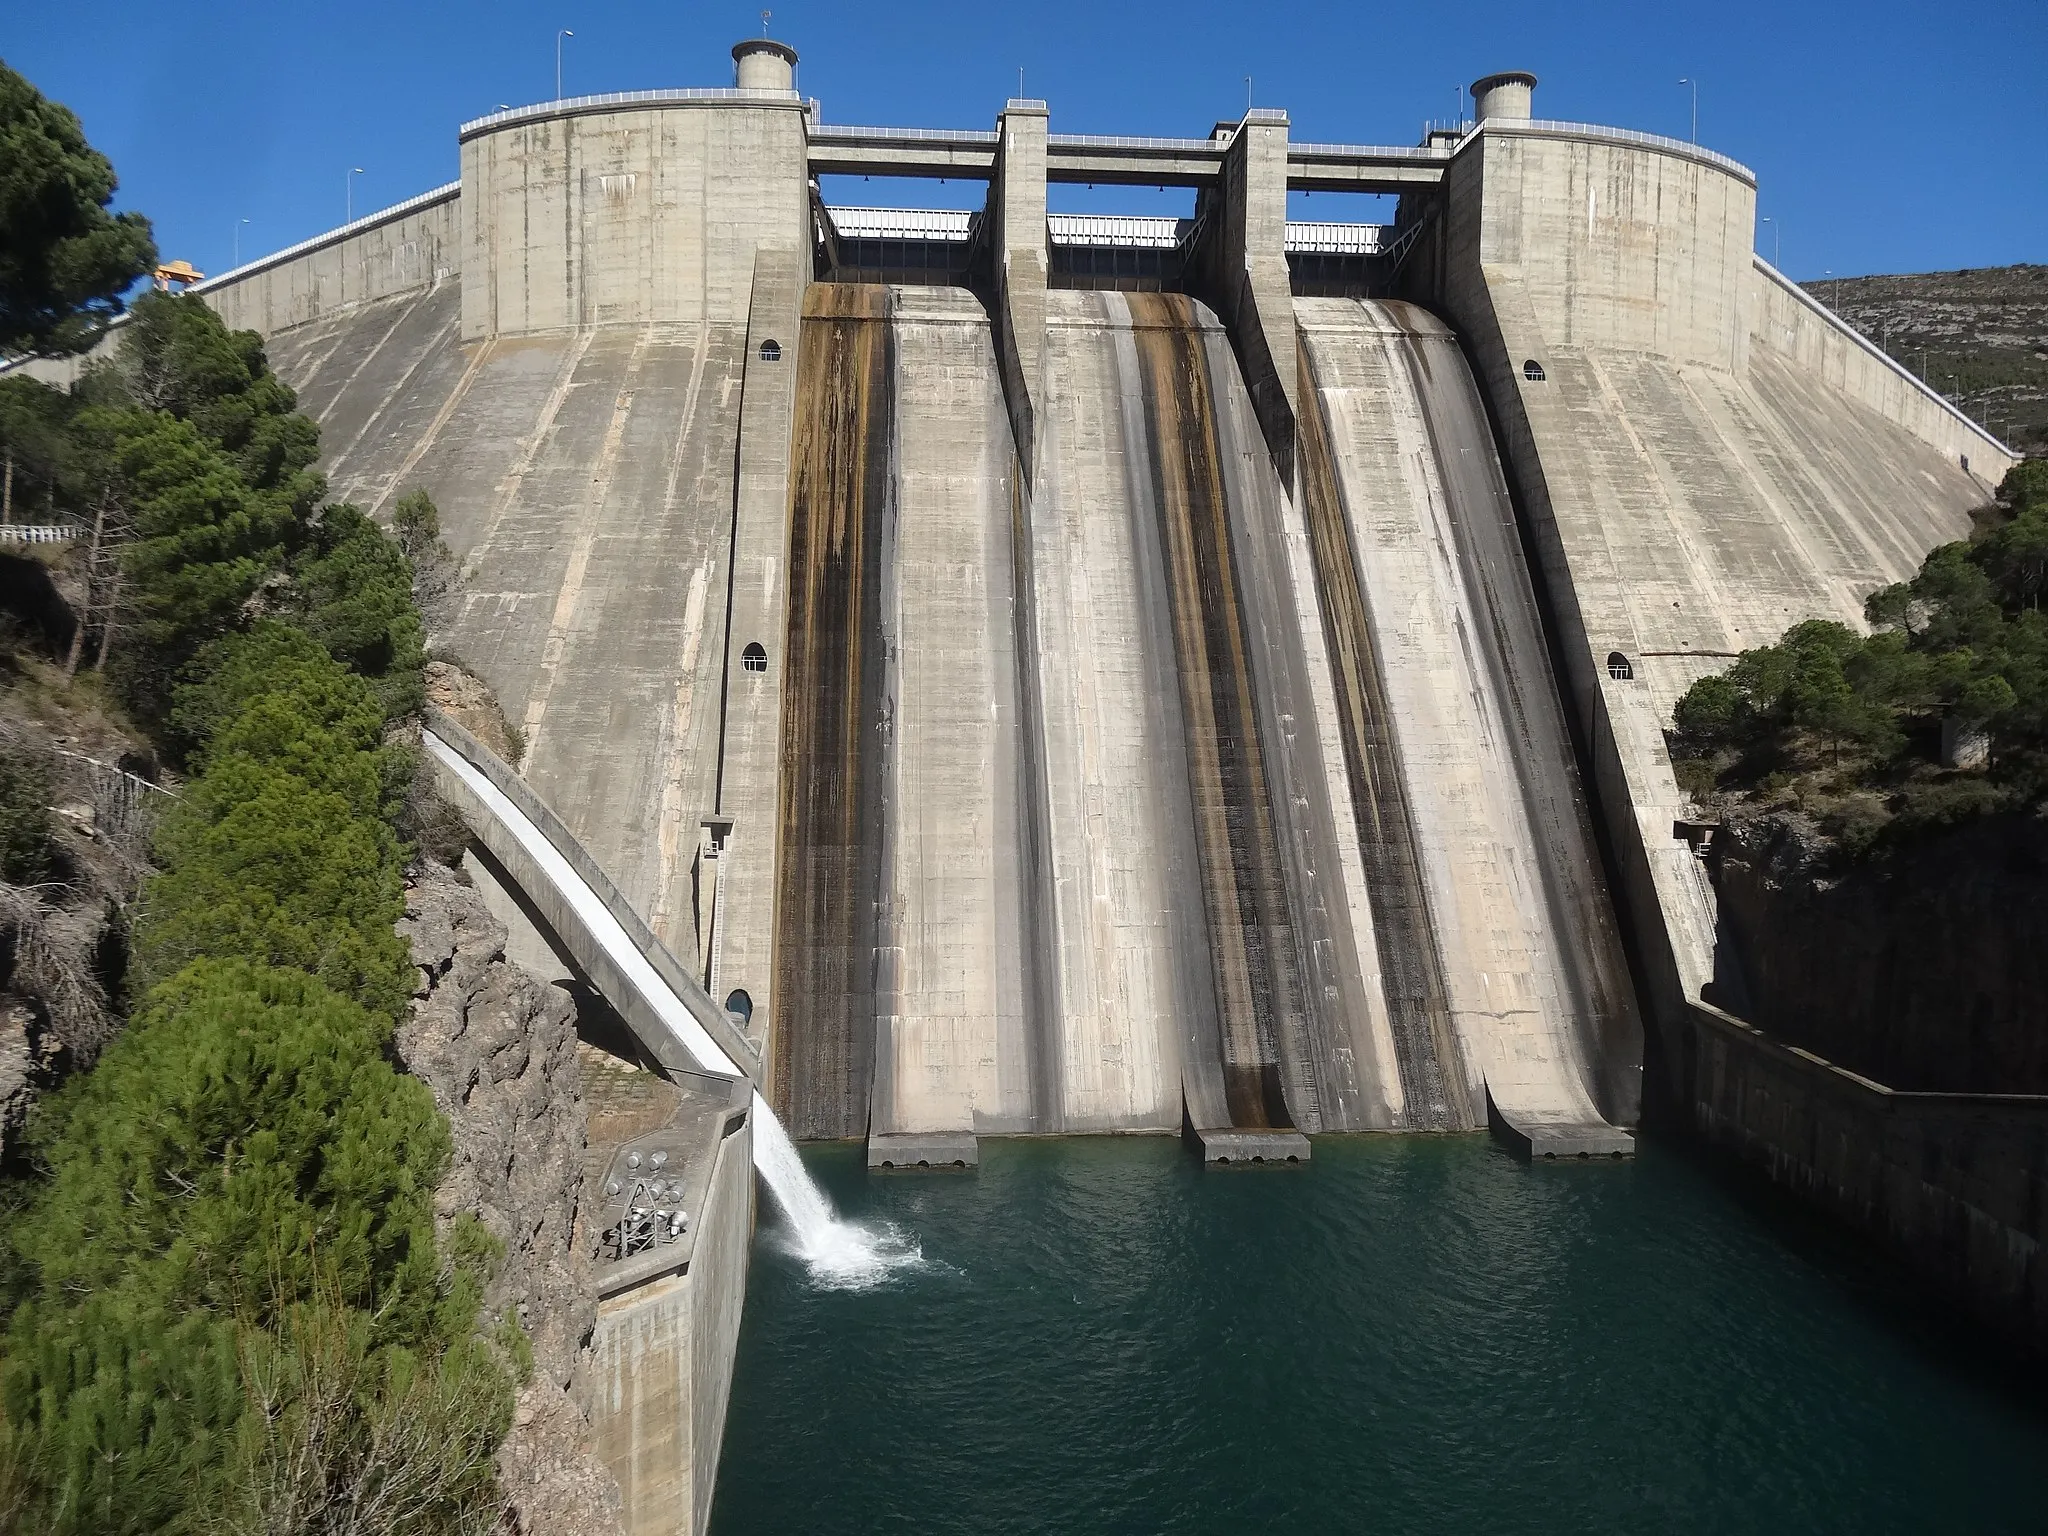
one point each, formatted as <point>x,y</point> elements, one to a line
<point>840,1255</point>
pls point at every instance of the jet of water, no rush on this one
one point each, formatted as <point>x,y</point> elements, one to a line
<point>841,1255</point>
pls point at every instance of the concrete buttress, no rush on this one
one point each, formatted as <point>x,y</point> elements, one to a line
<point>1242,273</point>
<point>1016,204</point>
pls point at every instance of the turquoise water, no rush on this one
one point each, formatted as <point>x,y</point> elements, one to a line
<point>1410,1335</point>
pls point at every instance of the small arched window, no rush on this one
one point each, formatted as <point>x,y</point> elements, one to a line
<point>1533,371</point>
<point>739,1005</point>
<point>753,658</point>
<point>1620,668</point>
<point>771,351</point>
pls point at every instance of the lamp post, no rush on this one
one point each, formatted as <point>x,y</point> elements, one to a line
<point>238,240</point>
<point>348,183</point>
<point>564,32</point>
<point>1688,80</point>
<point>1774,241</point>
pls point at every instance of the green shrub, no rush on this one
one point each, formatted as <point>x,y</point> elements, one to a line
<point>1964,640</point>
<point>244,1148</point>
<point>25,838</point>
<point>354,590</point>
<point>280,851</point>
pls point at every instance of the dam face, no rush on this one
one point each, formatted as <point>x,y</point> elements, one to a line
<point>1058,675</point>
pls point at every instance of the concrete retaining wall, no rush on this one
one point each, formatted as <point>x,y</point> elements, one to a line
<point>1786,320</point>
<point>1955,1185</point>
<point>657,1374</point>
<point>393,251</point>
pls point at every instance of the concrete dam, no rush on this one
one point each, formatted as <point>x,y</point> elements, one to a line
<point>1051,674</point>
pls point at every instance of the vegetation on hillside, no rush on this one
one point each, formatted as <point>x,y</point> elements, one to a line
<point>225,1306</point>
<point>1855,729</point>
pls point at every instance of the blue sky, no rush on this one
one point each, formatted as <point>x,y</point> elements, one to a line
<point>1887,137</point>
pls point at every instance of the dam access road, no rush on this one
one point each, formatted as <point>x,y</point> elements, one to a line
<point>1043,674</point>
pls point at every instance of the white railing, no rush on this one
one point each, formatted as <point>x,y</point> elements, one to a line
<point>833,134</point>
<point>369,221</point>
<point>901,223</point>
<point>1367,152</point>
<point>37,533</point>
<point>1876,353</point>
<point>1126,231</point>
<point>1139,231</point>
<point>1128,141</point>
<point>1595,131</point>
<point>679,96</point>
<point>1330,237</point>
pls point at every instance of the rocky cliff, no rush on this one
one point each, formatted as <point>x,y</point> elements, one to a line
<point>1924,968</point>
<point>498,1048</point>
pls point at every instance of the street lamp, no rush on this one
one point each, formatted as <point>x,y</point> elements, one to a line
<point>1695,106</point>
<point>565,32</point>
<point>238,240</point>
<point>1774,241</point>
<point>348,183</point>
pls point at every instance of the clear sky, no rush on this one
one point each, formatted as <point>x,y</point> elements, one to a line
<point>1888,136</point>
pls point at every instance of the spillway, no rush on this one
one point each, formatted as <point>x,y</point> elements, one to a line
<point>1501,966</point>
<point>1157,796</point>
<point>1201,961</point>
<point>897,885</point>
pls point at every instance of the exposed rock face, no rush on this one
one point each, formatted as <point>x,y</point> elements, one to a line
<point>469,700</point>
<point>29,1058</point>
<point>1923,969</point>
<point>498,1048</point>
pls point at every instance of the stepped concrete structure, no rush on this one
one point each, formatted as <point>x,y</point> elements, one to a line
<point>1050,674</point>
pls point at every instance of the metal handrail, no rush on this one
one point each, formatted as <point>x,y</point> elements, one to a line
<point>835,134</point>
<point>681,95</point>
<point>1541,125</point>
<point>1127,141</point>
<point>367,222</point>
<point>37,533</point>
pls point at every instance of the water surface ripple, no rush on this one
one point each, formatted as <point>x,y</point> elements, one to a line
<point>1411,1335</point>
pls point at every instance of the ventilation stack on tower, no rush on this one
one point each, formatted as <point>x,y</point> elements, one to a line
<point>1503,95</point>
<point>762,64</point>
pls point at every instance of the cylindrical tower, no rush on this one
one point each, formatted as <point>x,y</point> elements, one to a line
<point>1504,95</point>
<point>762,64</point>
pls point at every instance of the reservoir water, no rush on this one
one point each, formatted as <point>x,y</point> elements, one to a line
<point>1412,1334</point>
